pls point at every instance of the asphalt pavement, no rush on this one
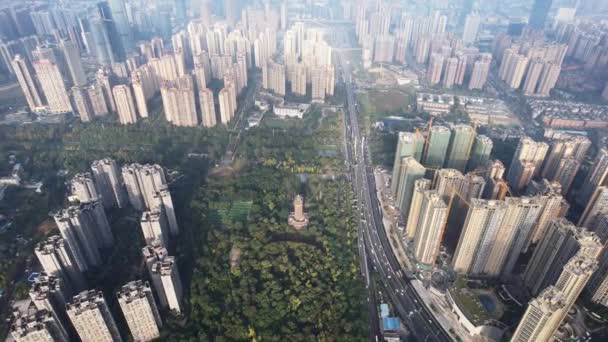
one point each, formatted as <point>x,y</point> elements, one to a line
<point>373,242</point>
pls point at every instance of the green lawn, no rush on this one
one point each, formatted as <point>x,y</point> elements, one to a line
<point>378,104</point>
<point>468,302</point>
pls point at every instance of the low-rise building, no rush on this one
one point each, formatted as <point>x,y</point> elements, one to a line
<point>290,110</point>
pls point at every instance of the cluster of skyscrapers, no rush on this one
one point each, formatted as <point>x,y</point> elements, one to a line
<point>63,307</point>
<point>308,61</point>
<point>178,65</point>
<point>493,231</point>
<point>451,60</point>
<point>529,64</point>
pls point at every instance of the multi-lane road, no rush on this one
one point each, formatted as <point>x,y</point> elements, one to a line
<point>373,242</point>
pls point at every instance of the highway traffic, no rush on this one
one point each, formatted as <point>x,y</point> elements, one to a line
<point>373,242</point>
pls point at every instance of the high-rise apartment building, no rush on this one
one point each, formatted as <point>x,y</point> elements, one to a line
<point>36,326</point>
<point>227,112</point>
<point>481,70</point>
<point>121,22</point>
<point>532,76</point>
<point>109,183</point>
<point>422,48</point>
<point>513,68</point>
<point>139,309</point>
<point>437,147</point>
<point>57,260</point>
<point>410,171</point>
<point>478,236</point>
<point>164,274</point>
<point>548,78</point>
<point>573,278</point>
<point>564,147</point>
<point>125,104</point>
<point>472,186</point>
<point>92,318</point>
<point>145,86</point>
<point>86,230</point>
<point>207,107</point>
<point>130,177</point>
<point>493,175</point>
<point>154,226</point>
<point>273,77</point>
<point>27,82</point>
<point>526,163</point>
<point>151,178</point>
<point>553,205</point>
<point>179,102</point>
<point>596,177</point>
<point>542,316</point>
<point>49,293</point>
<point>82,104</point>
<point>166,270</point>
<point>162,200</point>
<point>539,13</point>
<point>298,79</point>
<point>514,232</point>
<point>566,171</point>
<point>559,244</point>
<point>420,186</point>
<point>448,180</point>
<point>461,143</point>
<point>597,288</point>
<point>480,154</point>
<point>102,78</point>
<point>408,145</point>
<point>72,58</point>
<point>431,221</point>
<point>97,100</point>
<point>384,49</point>
<point>449,73</point>
<point>435,68</point>
<point>596,209</point>
<point>471,27</point>
<point>576,274</point>
<point>51,81</point>
<point>83,187</point>
<point>322,80</point>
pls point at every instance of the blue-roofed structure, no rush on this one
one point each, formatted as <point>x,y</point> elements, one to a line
<point>390,323</point>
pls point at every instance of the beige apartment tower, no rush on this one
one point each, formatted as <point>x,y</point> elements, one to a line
<point>542,317</point>
<point>125,104</point>
<point>513,234</point>
<point>526,163</point>
<point>91,318</point>
<point>596,209</point>
<point>179,102</point>
<point>226,110</point>
<point>561,242</point>
<point>27,82</point>
<point>51,81</point>
<point>109,183</point>
<point>478,235</point>
<point>435,68</point>
<point>82,104</point>
<point>36,326</point>
<point>597,176</point>
<point>139,309</point>
<point>411,227</point>
<point>207,107</point>
<point>432,218</point>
